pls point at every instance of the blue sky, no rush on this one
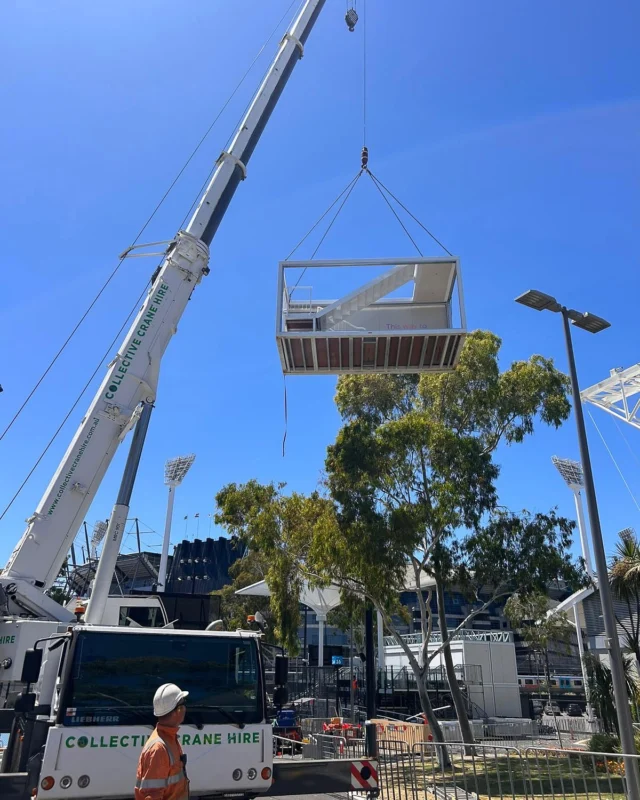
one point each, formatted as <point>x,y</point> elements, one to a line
<point>509,128</point>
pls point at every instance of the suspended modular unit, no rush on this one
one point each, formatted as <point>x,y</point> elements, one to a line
<point>367,330</point>
<point>619,394</point>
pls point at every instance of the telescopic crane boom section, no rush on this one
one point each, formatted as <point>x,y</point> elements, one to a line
<point>132,376</point>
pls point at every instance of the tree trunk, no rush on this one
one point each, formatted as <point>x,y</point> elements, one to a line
<point>436,730</point>
<point>456,693</point>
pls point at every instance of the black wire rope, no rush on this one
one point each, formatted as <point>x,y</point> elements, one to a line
<point>377,181</point>
<point>350,187</point>
<point>364,75</point>
<point>395,214</point>
<point>141,231</point>
<point>77,400</point>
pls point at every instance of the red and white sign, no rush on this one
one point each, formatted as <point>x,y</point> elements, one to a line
<point>364,774</point>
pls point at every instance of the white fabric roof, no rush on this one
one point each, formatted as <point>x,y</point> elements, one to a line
<point>321,601</point>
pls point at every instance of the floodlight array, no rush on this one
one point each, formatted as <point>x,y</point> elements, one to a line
<point>571,471</point>
<point>627,534</point>
<point>99,530</point>
<point>176,469</point>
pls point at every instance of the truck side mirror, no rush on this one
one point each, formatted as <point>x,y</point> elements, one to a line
<point>280,696</point>
<point>31,666</point>
<point>281,671</point>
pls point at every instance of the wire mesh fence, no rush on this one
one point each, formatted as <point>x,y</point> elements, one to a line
<point>431,771</point>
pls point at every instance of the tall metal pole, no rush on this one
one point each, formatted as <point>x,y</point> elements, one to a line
<point>370,664</point>
<point>86,539</point>
<point>137,523</point>
<point>117,521</point>
<point>370,683</point>
<point>164,558</point>
<point>623,710</point>
<point>582,529</point>
<point>321,621</point>
<point>585,677</point>
<point>352,688</point>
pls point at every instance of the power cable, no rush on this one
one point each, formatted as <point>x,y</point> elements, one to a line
<point>626,441</point>
<point>204,185</point>
<point>142,230</point>
<point>615,463</point>
<point>77,400</point>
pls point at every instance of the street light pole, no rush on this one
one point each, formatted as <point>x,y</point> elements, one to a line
<point>611,631</point>
<point>540,301</point>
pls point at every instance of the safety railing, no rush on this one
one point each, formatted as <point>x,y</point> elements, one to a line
<point>326,746</point>
<point>288,748</point>
<point>429,771</point>
<point>580,725</point>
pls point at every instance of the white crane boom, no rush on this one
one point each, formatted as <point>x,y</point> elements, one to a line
<point>132,376</point>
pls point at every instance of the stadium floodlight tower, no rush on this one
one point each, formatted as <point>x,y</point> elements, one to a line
<point>571,472</point>
<point>99,530</point>
<point>627,534</point>
<point>175,471</point>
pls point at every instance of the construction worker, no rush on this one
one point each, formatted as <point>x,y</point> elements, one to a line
<point>161,768</point>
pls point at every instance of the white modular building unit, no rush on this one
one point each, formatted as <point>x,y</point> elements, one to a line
<point>372,327</point>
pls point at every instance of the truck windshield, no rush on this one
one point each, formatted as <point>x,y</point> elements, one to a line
<point>114,676</point>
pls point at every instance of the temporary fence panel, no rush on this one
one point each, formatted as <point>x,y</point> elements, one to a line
<point>431,771</point>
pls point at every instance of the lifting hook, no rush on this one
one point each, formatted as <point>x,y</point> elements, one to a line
<point>365,157</point>
<point>351,18</point>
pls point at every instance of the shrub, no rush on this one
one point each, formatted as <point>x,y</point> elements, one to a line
<point>604,743</point>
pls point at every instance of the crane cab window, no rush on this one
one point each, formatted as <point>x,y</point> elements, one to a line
<point>145,616</point>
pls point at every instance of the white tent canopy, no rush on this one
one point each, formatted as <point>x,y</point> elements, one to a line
<point>320,601</point>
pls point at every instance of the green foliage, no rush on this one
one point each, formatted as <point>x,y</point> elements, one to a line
<point>624,571</point>
<point>279,528</point>
<point>412,468</point>
<point>624,577</point>
<point>413,475</point>
<point>527,613</point>
<point>601,693</point>
<point>603,743</point>
<point>235,609</point>
<point>58,594</point>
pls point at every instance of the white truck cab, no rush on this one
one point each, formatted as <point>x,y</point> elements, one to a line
<point>100,714</point>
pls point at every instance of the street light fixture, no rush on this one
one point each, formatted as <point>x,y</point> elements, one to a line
<point>175,471</point>
<point>540,301</point>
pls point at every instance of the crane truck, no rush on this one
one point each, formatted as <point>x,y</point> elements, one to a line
<point>84,712</point>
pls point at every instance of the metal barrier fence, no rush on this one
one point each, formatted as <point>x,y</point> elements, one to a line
<point>318,746</point>
<point>431,771</point>
<point>572,724</point>
<point>493,729</point>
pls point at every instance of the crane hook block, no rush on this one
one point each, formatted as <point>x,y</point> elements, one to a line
<point>351,18</point>
<point>365,157</point>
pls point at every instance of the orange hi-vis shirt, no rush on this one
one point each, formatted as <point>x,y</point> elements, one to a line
<point>161,774</point>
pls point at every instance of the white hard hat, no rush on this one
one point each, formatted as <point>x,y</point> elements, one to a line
<point>167,699</point>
